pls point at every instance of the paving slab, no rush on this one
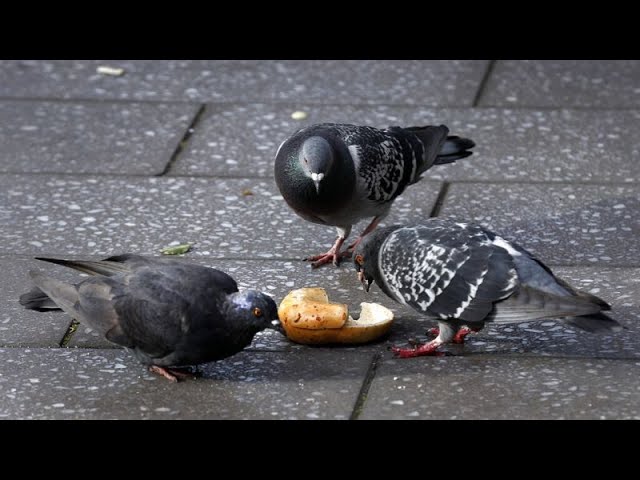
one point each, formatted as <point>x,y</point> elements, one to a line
<point>546,145</point>
<point>486,387</point>
<point>423,82</point>
<point>238,218</point>
<point>115,138</point>
<point>111,384</point>
<point>561,223</point>
<point>564,83</point>
<point>529,145</point>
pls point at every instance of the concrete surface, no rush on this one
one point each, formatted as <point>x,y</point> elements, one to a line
<point>182,151</point>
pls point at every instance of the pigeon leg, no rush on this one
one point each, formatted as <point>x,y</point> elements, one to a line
<point>459,336</point>
<point>333,255</point>
<point>172,374</point>
<point>446,333</point>
<point>374,223</point>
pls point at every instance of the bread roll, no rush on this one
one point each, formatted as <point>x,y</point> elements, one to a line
<point>308,317</point>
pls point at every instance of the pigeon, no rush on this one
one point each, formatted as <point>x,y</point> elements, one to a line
<point>338,174</point>
<point>170,313</point>
<point>466,276</point>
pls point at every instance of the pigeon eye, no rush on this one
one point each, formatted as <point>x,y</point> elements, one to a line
<point>257,312</point>
<point>359,259</point>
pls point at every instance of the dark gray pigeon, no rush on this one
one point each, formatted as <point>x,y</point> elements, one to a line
<point>169,312</point>
<point>339,174</point>
<point>466,276</point>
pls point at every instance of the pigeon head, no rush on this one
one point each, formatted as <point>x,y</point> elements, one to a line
<point>365,255</point>
<point>365,278</point>
<point>316,158</point>
<point>365,258</point>
<point>257,309</point>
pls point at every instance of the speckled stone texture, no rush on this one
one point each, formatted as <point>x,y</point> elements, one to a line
<point>493,387</point>
<point>423,82</point>
<point>561,223</point>
<point>88,170</point>
<point>106,384</point>
<point>113,138</point>
<point>239,218</point>
<point>564,83</point>
<point>545,145</point>
<point>541,145</point>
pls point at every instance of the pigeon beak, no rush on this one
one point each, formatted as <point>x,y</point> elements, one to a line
<point>277,326</point>
<point>366,284</point>
<point>317,178</point>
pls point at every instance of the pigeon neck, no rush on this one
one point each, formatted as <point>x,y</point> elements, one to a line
<point>375,248</point>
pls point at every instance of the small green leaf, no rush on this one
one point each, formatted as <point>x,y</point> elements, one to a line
<point>176,249</point>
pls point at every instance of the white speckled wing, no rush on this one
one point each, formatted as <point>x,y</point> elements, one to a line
<point>447,270</point>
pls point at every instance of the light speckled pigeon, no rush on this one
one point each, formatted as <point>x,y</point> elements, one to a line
<point>466,276</point>
<point>339,174</point>
<point>169,312</point>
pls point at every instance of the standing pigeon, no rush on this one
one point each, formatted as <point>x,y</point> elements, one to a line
<point>169,312</point>
<point>338,174</point>
<point>466,276</point>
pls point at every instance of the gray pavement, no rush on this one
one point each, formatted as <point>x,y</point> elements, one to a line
<point>544,145</point>
<point>341,82</point>
<point>182,151</point>
<point>568,83</point>
<point>104,138</point>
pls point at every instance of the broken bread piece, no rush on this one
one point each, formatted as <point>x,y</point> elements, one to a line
<point>308,317</point>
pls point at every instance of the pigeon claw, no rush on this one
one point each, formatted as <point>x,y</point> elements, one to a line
<point>173,374</point>
<point>435,331</point>
<point>461,334</point>
<point>351,248</point>
<point>319,260</point>
<point>332,256</point>
<point>429,348</point>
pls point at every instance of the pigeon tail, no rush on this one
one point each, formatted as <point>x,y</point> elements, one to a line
<point>595,323</point>
<point>108,267</point>
<point>63,294</point>
<point>37,300</point>
<point>454,148</point>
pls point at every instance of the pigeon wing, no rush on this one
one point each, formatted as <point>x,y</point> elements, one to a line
<point>159,305</point>
<point>449,271</point>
